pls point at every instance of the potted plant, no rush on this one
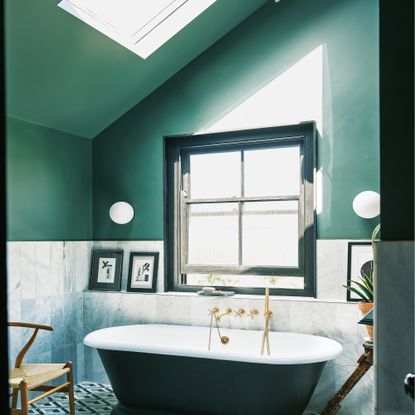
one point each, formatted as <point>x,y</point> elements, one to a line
<point>363,288</point>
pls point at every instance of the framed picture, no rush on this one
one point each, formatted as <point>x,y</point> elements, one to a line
<point>360,259</point>
<point>106,270</point>
<point>142,275</point>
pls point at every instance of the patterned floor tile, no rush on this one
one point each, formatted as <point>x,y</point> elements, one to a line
<point>90,399</point>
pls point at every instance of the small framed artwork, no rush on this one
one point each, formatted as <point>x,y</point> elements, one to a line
<point>106,270</point>
<point>359,259</point>
<point>142,275</point>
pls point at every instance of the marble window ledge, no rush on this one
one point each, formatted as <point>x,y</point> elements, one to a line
<point>236,296</point>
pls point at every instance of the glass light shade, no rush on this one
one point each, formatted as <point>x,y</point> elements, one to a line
<point>367,204</point>
<point>121,212</point>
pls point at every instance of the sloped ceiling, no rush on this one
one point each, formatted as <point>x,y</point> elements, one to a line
<point>62,74</point>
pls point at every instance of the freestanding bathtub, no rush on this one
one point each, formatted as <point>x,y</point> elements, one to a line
<point>168,370</point>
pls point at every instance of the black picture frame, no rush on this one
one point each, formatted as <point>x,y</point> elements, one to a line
<point>106,269</point>
<point>143,272</point>
<point>358,254</point>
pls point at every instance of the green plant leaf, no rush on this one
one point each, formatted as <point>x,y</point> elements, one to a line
<point>356,291</point>
<point>368,292</point>
<point>368,281</point>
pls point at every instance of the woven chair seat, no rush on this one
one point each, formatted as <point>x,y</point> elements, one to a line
<point>36,374</point>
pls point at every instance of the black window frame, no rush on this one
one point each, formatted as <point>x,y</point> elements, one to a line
<point>177,149</point>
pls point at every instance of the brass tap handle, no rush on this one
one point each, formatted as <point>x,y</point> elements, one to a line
<point>239,312</point>
<point>227,312</point>
<point>214,311</point>
<point>252,313</point>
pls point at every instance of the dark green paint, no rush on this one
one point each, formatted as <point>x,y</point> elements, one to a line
<point>63,74</point>
<point>397,126</point>
<point>128,156</point>
<point>49,184</point>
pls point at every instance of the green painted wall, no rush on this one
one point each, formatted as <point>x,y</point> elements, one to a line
<point>49,184</point>
<point>128,156</point>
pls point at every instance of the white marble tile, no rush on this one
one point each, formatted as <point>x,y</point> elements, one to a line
<point>331,268</point>
<point>173,310</point>
<point>42,267</point>
<point>27,270</point>
<point>95,311</point>
<point>14,333</point>
<point>78,256</point>
<point>325,389</point>
<point>352,402</point>
<point>56,269</point>
<point>13,271</point>
<point>80,359</point>
<point>73,318</point>
<point>139,308</point>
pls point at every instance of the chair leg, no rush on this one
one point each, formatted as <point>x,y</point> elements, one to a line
<point>24,396</point>
<point>15,396</point>
<point>71,393</point>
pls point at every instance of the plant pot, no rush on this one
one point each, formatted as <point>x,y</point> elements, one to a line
<point>364,309</point>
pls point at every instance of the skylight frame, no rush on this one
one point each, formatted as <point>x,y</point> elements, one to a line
<point>171,18</point>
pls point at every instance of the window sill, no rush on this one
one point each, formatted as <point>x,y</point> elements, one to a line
<point>236,296</point>
<point>258,297</point>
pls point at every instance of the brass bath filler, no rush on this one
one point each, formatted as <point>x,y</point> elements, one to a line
<point>267,315</point>
<point>215,315</point>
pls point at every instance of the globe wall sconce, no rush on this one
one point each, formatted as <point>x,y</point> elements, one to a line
<point>121,213</point>
<point>367,205</point>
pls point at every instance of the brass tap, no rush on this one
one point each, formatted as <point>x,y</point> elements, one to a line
<point>215,315</point>
<point>239,312</point>
<point>215,311</point>
<point>252,313</point>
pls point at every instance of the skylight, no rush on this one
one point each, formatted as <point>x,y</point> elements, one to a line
<point>142,26</point>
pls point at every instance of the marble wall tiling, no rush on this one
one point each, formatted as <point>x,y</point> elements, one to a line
<point>46,281</point>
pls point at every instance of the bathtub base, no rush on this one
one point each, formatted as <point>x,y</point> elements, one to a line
<point>151,384</point>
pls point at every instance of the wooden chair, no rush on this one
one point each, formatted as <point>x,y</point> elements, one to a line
<point>33,377</point>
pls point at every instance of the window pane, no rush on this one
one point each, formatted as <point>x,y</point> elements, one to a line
<point>213,234</point>
<point>272,172</point>
<point>215,175</point>
<point>270,233</point>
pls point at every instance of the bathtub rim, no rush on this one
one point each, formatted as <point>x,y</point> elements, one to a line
<point>336,348</point>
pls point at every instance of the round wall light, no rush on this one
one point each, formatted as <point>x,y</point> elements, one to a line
<point>367,204</point>
<point>121,212</point>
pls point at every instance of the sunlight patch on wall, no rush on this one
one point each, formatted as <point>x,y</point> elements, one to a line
<point>294,96</point>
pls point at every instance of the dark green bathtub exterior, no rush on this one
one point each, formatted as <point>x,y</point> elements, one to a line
<point>155,384</point>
